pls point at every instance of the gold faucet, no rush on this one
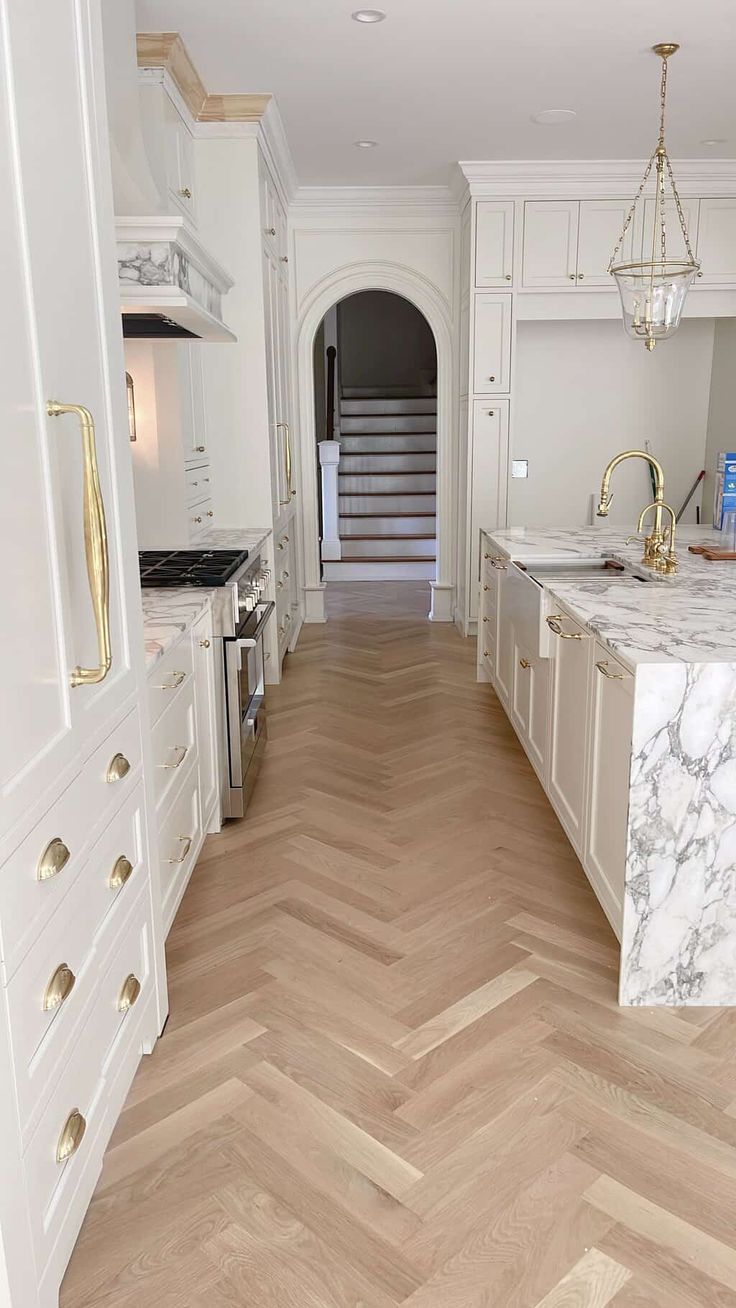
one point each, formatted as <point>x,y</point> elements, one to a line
<point>654,544</point>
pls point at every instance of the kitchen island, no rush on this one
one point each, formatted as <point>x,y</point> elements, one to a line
<point>622,689</point>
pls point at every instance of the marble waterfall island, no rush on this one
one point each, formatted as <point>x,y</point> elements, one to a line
<point>675,639</point>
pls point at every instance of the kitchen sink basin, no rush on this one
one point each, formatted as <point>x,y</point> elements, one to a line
<point>598,568</point>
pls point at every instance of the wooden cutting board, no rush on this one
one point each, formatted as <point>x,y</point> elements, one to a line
<point>713,555</point>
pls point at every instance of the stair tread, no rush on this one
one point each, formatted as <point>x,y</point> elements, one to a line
<point>383,454</point>
<point>391,535</point>
<point>415,472</point>
<point>360,495</point>
<point>404,513</point>
<point>389,558</point>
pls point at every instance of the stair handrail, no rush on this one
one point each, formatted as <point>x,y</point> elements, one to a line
<point>331,357</point>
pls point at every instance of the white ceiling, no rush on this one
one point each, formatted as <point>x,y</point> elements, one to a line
<point>442,80</point>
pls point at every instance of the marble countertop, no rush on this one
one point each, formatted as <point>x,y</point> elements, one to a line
<point>168,613</point>
<point>690,617</point>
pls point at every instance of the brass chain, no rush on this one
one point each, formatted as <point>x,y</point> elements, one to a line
<point>662,162</point>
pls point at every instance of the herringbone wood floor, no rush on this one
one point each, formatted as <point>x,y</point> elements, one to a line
<point>395,1071</point>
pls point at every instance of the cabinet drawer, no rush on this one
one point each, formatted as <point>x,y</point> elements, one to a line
<point>82,1084</point>
<point>174,742</point>
<point>180,840</point>
<point>170,677</point>
<point>492,344</point>
<point>201,517</point>
<point>42,870</point>
<point>198,484</point>
<point>47,1005</point>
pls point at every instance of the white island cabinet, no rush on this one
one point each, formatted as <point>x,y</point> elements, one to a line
<point>82,990</point>
<point>622,690</point>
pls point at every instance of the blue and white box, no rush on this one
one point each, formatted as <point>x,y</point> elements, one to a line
<point>724,502</point>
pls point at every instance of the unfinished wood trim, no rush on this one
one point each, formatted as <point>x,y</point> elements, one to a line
<point>167,50</point>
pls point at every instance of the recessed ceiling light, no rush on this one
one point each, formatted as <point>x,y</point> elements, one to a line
<point>714,140</point>
<point>365,145</point>
<point>553,117</point>
<point>368,16</point>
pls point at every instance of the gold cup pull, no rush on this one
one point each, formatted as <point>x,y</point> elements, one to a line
<point>122,869</point>
<point>118,768</point>
<point>72,1134</point>
<point>58,988</point>
<point>95,544</point>
<point>186,846</point>
<point>129,992</point>
<point>55,857</point>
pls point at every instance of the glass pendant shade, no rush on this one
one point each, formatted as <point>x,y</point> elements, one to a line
<point>652,297</point>
<point>653,291</point>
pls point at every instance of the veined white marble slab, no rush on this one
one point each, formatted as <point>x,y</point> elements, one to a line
<point>167,614</point>
<point>234,538</point>
<point>690,617</point>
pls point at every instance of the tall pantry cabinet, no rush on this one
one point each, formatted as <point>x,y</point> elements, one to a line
<point>82,990</point>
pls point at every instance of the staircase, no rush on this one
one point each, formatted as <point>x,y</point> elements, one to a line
<point>387,486</point>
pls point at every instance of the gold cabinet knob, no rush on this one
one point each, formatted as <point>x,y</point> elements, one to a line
<point>205,644</point>
<point>129,992</point>
<point>491,378</point>
<point>571,276</point>
<point>580,276</point>
<point>284,258</point>
<point>200,449</point>
<point>72,1134</point>
<point>700,274</point>
<point>491,413</point>
<point>196,519</point>
<point>485,619</point>
<point>55,856</point>
<point>210,513</point>
<point>486,587</point>
<point>486,655</point>
<point>59,987</point>
<point>487,556</point>
<point>270,231</point>
<point>185,193</point>
<point>118,768</point>
<point>121,871</point>
<point>508,277</point>
<point>524,663</point>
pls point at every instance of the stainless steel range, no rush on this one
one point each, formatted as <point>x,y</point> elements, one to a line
<point>240,615</point>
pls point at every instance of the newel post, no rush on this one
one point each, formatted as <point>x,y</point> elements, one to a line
<point>329,462</point>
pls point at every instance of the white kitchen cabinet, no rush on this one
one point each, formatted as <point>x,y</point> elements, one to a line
<point>278,353</point>
<point>74,767</point>
<point>487,481</point>
<point>717,242</point>
<point>205,651</point>
<point>568,722</point>
<point>609,764</point>
<point>528,700</point>
<point>600,225</point>
<point>550,243</point>
<point>505,642</point>
<point>494,243</point>
<point>492,344</point>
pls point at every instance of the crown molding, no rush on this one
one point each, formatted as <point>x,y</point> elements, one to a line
<point>166,50</point>
<point>595,178</point>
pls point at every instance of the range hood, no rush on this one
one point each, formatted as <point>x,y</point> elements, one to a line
<point>170,285</point>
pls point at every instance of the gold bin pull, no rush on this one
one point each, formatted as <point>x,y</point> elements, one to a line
<point>118,768</point>
<point>55,857</point>
<point>122,869</point>
<point>129,992</point>
<point>59,988</point>
<point>95,545</point>
<point>72,1134</point>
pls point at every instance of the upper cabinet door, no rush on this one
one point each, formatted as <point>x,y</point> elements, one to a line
<point>600,226</point>
<point>717,241</point>
<point>61,341</point>
<point>550,242</point>
<point>492,346</point>
<point>494,243</point>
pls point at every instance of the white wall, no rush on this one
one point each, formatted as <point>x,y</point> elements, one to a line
<point>583,392</point>
<point>384,341</point>
<point>722,412</point>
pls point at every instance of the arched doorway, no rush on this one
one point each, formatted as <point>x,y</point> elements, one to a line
<point>423,296</point>
<point>375,386</point>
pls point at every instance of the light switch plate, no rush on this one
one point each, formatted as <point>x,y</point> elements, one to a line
<point>519,467</point>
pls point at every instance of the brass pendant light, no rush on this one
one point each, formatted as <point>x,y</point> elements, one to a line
<point>653,290</point>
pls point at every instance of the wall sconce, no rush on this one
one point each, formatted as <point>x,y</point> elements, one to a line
<point>131,406</point>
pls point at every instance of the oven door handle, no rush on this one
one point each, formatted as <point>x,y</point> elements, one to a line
<point>250,642</point>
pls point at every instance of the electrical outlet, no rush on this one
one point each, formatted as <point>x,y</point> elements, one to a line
<point>519,467</point>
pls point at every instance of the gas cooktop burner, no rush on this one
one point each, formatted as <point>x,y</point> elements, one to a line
<point>189,567</point>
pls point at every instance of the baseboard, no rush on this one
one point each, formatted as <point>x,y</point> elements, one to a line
<point>379,571</point>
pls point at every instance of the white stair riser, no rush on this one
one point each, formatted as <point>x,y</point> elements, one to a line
<point>390,442</point>
<point>386,483</point>
<point>428,405</point>
<point>390,546</point>
<point>354,570</point>
<point>390,423</point>
<point>387,525</point>
<point>380,504</point>
<point>400,462</point>
<point>389,393</point>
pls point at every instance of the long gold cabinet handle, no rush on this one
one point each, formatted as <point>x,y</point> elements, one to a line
<point>72,1134</point>
<point>290,492</point>
<point>553,623</point>
<point>55,857</point>
<point>186,845</point>
<point>95,544</point>
<point>60,986</point>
